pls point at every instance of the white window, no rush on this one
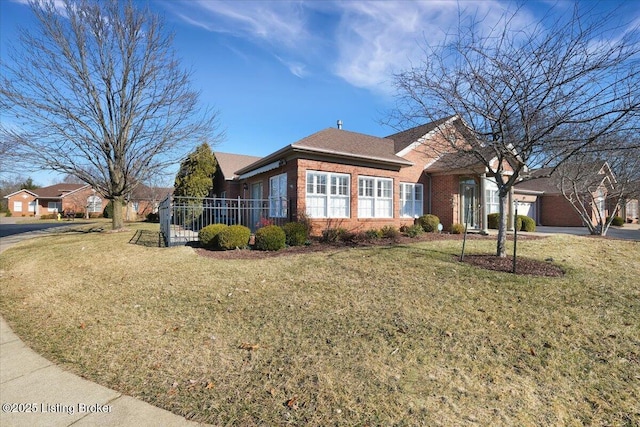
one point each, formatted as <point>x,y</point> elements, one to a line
<point>492,196</point>
<point>17,206</point>
<point>94,204</point>
<point>278,196</point>
<point>327,195</point>
<point>54,206</point>
<point>375,197</point>
<point>411,200</point>
<point>32,206</point>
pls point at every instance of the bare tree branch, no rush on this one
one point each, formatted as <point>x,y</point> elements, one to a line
<point>531,96</point>
<point>97,92</point>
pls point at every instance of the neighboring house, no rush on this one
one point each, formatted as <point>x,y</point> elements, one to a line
<point>594,184</point>
<point>55,199</point>
<point>225,181</point>
<point>144,200</point>
<point>338,178</point>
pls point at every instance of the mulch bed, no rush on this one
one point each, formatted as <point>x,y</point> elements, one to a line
<point>523,265</point>
<point>489,262</point>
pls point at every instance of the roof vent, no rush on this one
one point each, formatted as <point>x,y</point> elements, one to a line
<point>339,124</point>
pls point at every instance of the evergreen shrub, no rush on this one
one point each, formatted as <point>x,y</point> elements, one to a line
<point>270,238</point>
<point>207,235</point>
<point>429,223</point>
<point>232,237</point>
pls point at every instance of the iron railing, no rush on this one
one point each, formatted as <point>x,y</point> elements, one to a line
<point>182,217</point>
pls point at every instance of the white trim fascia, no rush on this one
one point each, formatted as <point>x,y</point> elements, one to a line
<point>424,137</point>
<point>265,168</point>
<point>20,191</point>
<point>73,191</point>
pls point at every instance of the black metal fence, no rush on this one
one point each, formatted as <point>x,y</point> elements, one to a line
<point>182,217</point>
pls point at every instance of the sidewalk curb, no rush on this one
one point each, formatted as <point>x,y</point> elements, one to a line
<point>36,392</point>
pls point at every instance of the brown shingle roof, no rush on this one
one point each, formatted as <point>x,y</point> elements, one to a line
<point>340,142</point>
<point>57,191</point>
<point>405,138</point>
<point>230,163</point>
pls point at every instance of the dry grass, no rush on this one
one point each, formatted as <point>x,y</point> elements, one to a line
<point>375,336</point>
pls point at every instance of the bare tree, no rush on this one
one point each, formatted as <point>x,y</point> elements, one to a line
<point>96,91</point>
<point>596,189</point>
<point>526,91</point>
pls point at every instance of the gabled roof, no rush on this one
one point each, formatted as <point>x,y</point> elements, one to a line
<point>230,163</point>
<point>20,191</point>
<point>337,143</point>
<point>144,192</point>
<point>351,144</point>
<point>58,191</point>
<point>402,140</point>
<point>585,175</point>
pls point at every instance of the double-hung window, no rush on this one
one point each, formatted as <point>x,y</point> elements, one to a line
<point>411,200</point>
<point>278,196</point>
<point>375,197</point>
<point>327,195</point>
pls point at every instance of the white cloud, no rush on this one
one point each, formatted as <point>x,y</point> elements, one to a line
<point>278,23</point>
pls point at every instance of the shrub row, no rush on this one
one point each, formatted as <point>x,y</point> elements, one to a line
<point>268,238</point>
<point>523,222</point>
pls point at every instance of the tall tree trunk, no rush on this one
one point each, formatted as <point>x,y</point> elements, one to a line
<point>501,249</point>
<point>117,221</point>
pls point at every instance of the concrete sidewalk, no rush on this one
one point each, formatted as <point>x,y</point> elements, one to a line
<point>35,392</point>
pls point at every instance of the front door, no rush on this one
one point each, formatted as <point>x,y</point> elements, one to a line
<point>469,205</point>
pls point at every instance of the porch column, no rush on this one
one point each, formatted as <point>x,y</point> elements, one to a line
<point>483,205</point>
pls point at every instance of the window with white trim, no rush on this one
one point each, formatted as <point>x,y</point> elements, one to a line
<point>94,204</point>
<point>278,196</point>
<point>327,195</point>
<point>375,197</point>
<point>492,196</point>
<point>17,206</point>
<point>54,206</point>
<point>411,200</point>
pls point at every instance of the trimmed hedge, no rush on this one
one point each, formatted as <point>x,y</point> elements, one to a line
<point>493,220</point>
<point>234,236</point>
<point>429,223</point>
<point>208,234</point>
<point>270,238</point>
<point>297,233</point>
<point>618,221</point>
<point>523,222</point>
<point>526,223</point>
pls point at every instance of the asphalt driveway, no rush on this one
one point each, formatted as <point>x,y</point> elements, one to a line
<point>627,232</point>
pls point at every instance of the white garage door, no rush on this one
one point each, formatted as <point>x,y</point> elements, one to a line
<point>528,209</point>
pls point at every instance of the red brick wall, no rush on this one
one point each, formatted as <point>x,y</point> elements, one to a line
<point>296,170</point>
<point>556,211</point>
<point>445,199</point>
<point>23,197</point>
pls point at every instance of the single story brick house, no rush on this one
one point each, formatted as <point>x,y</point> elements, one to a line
<point>55,199</point>
<point>543,200</point>
<point>339,178</point>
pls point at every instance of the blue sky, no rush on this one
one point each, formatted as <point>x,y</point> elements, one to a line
<point>279,71</point>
